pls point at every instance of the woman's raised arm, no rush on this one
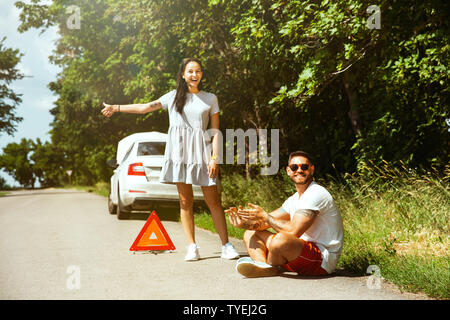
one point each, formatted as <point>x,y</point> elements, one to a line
<point>140,108</point>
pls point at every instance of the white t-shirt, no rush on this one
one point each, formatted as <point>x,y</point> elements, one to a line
<point>327,230</point>
<point>197,109</point>
<point>188,148</point>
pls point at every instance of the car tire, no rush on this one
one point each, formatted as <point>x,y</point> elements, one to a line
<point>121,213</point>
<point>112,208</point>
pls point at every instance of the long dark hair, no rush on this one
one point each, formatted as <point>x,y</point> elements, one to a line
<point>182,87</point>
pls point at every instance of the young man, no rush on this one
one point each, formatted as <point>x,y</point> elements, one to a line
<point>309,229</point>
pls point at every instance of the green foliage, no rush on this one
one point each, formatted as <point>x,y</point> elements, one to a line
<point>29,161</point>
<point>100,188</point>
<point>9,59</point>
<point>204,221</point>
<point>397,219</point>
<point>426,274</point>
<point>240,191</point>
<point>313,69</point>
<point>48,164</point>
<point>4,185</point>
<point>16,161</point>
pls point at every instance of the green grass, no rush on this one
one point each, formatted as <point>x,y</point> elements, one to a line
<point>100,188</point>
<point>393,218</point>
<point>398,220</point>
<point>203,220</point>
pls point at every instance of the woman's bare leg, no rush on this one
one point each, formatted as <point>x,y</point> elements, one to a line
<point>218,215</point>
<point>187,210</point>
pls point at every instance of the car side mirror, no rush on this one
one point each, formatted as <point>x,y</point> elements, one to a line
<point>112,163</point>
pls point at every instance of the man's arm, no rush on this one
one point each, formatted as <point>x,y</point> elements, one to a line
<point>253,224</point>
<point>301,221</point>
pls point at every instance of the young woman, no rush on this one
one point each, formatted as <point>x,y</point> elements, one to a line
<point>188,158</point>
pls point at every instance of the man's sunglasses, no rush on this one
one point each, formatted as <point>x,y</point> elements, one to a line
<point>294,167</point>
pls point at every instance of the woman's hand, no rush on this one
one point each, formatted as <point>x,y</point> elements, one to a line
<point>108,110</point>
<point>213,168</point>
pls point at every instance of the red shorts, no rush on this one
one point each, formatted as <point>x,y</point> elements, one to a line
<point>309,262</point>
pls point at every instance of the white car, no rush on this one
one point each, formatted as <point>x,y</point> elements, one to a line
<point>135,183</point>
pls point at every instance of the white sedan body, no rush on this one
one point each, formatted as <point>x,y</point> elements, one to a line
<point>135,183</point>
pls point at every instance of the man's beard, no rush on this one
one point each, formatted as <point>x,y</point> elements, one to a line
<point>308,179</point>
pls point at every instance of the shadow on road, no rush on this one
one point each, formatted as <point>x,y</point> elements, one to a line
<point>338,273</point>
<point>36,192</point>
<point>166,214</point>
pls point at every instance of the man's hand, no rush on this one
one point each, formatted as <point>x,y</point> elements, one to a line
<point>238,221</point>
<point>234,218</point>
<point>255,214</point>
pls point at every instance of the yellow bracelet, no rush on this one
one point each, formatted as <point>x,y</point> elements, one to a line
<point>213,157</point>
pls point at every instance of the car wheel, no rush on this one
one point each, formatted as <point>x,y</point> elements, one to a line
<point>121,214</point>
<point>112,208</point>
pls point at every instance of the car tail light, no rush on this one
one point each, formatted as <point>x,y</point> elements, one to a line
<point>136,169</point>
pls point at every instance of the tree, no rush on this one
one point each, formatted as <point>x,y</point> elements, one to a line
<point>390,82</point>
<point>9,59</point>
<point>16,161</point>
<point>48,165</point>
<point>312,69</point>
<point>3,184</point>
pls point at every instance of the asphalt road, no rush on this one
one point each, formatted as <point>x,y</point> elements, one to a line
<point>63,244</point>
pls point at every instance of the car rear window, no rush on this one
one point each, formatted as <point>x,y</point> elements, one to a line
<point>151,148</point>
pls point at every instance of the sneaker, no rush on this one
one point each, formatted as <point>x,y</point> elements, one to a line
<point>253,269</point>
<point>228,252</point>
<point>192,253</point>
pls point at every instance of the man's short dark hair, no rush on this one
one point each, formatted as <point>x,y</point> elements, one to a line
<point>301,154</point>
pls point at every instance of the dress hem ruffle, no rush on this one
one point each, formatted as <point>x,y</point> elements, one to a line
<point>188,173</point>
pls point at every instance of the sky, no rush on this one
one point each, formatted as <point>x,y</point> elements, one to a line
<point>37,99</point>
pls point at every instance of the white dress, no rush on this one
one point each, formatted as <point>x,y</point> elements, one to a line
<point>188,147</point>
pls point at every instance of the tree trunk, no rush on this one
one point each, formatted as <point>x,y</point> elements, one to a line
<point>247,159</point>
<point>353,112</point>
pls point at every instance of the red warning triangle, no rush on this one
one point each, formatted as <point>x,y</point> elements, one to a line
<point>153,236</point>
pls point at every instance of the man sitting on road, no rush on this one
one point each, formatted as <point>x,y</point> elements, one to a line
<point>309,228</point>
